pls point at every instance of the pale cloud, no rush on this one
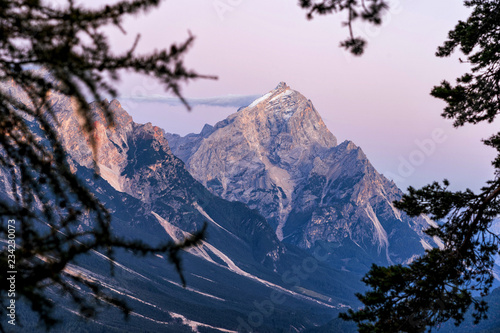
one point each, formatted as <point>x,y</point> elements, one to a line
<point>231,101</point>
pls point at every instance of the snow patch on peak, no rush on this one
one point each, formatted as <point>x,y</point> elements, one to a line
<point>282,94</point>
<point>259,100</point>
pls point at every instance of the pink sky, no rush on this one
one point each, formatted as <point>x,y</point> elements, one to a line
<point>380,101</point>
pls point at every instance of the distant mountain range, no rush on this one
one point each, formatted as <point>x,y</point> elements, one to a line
<point>294,220</point>
<point>242,276</point>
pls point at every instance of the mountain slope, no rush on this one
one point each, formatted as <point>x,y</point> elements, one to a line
<point>277,156</point>
<point>240,273</point>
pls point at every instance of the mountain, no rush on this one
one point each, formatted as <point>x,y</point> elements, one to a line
<point>242,278</point>
<point>278,157</point>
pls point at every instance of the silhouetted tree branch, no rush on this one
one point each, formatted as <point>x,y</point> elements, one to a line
<point>46,199</point>
<point>370,11</point>
<point>439,286</point>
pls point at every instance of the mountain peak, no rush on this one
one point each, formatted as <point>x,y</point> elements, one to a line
<point>282,112</point>
<point>281,86</point>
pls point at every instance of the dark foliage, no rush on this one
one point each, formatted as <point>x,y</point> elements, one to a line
<point>440,285</point>
<point>367,10</point>
<point>47,199</point>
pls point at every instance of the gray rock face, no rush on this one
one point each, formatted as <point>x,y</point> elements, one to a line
<point>259,154</point>
<point>277,156</point>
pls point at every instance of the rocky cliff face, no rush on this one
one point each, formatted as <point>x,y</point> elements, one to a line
<point>260,154</point>
<point>278,156</point>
